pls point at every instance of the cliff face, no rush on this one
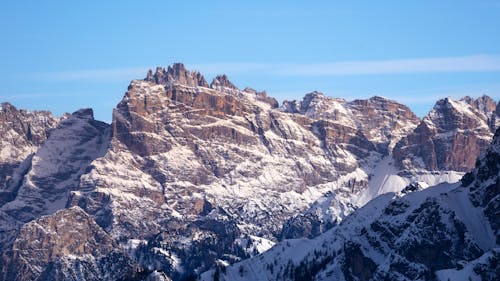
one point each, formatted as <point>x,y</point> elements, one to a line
<point>67,244</point>
<point>450,137</point>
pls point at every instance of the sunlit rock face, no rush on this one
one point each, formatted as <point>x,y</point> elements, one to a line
<point>451,136</point>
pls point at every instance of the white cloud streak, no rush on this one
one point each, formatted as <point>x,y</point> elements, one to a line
<point>476,63</point>
<point>4,97</point>
<point>94,74</point>
<point>425,65</point>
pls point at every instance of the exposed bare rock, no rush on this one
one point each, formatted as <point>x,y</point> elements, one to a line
<point>53,171</point>
<point>450,137</point>
<point>382,121</point>
<point>67,245</point>
<point>176,74</point>
<point>221,81</point>
<point>56,167</point>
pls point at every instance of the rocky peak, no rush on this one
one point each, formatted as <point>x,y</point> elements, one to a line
<point>22,133</point>
<point>466,113</point>
<point>379,120</point>
<point>311,105</point>
<point>84,113</point>
<point>7,107</point>
<point>450,137</point>
<point>176,73</point>
<point>65,246</point>
<point>383,121</point>
<point>22,128</point>
<point>222,81</point>
<point>310,99</point>
<point>262,96</point>
<point>484,104</point>
<point>56,166</point>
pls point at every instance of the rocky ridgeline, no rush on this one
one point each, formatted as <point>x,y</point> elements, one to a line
<point>451,136</point>
<point>189,175</point>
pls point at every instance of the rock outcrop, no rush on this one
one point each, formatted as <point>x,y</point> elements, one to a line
<point>450,137</point>
<point>67,245</point>
<point>176,74</point>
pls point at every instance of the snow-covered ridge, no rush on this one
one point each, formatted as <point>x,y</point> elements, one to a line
<point>441,232</point>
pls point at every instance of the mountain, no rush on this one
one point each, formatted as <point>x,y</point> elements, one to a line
<point>52,172</point>
<point>22,133</point>
<point>446,232</point>
<point>450,137</point>
<point>226,166</point>
<point>190,175</point>
<point>67,245</point>
<point>444,145</point>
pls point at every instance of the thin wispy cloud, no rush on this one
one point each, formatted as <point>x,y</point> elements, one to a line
<point>482,63</point>
<point>476,63</point>
<point>29,96</point>
<point>93,74</point>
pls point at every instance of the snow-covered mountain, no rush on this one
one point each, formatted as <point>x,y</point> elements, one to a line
<point>22,133</point>
<point>445,232</point>
<point>190,175</point>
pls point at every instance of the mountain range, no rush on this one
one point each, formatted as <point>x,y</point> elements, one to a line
<point>191,177</point>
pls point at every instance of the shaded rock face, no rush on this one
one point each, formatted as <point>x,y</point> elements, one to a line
<point>22,133</point>
<point>64,245</point>
<point>52,172</point>
<point>451,137</point>
<point>56,167</point>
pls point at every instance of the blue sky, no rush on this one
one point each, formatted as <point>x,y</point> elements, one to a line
<point>65,55</point>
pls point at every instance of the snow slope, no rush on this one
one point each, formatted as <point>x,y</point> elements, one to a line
<point>445,231</point>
